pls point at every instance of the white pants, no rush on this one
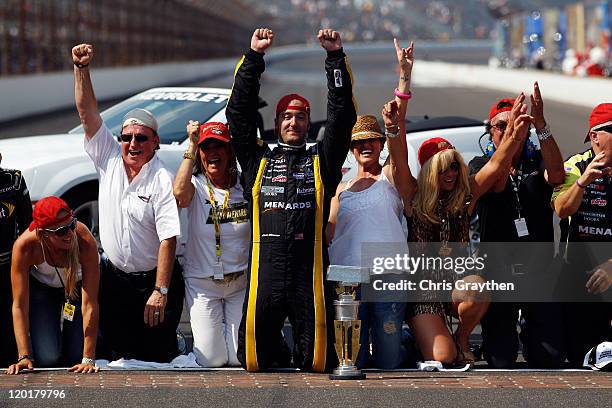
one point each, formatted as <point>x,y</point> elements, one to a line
<point>215,310</point>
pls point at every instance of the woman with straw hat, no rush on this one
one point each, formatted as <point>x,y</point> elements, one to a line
<point>369,209</point>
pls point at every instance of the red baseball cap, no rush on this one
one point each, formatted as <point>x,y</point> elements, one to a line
<point>431,147</point>
<point>214,130</point>
<point>503,105</point>
<point>284,103</point>
<point>600,116</point>
<point>46,210</point>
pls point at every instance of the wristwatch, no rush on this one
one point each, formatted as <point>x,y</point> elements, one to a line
<point>162,289</point>
<point>189,155</point>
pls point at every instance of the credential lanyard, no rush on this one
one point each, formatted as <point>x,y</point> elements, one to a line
<point>216,216</point>
<point>520,223</point>
<point>69,308</point>
<point>516,185</point>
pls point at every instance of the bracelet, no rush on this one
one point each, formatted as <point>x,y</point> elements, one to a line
<point>403,96</point>
<point>544,133</point>
<point>88,361</point>
<point>579,185</point>
<point>391,134</point>
<point>24,357</point>
<point>189,155</point>
<point>80,66</point>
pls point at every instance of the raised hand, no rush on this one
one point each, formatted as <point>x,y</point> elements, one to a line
<point>518,108</point>
<point>329,39</point>
<point>405,57</point>
<point>193,131</point>
<point>82,54</point>
<point>261,39</point>
<point>521,126</point>
<point>537,108</point>
<point>390,115</point>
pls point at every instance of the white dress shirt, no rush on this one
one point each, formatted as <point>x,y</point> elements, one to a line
<point>134,217</point>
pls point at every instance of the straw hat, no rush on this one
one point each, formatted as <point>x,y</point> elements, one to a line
<point>366,127</point>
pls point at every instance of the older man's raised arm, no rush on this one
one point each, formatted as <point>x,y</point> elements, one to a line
<point>84,96</point>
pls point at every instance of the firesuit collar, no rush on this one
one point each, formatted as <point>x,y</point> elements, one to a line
<point>291,147</point>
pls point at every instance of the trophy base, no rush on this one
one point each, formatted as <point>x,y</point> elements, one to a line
<point>347,373</point>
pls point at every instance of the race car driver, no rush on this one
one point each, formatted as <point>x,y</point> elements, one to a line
<point>289,190</point>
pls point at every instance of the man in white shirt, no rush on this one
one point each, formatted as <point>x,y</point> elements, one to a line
<point>141,299</point>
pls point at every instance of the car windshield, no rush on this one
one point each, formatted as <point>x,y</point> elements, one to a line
<point>173,110</point>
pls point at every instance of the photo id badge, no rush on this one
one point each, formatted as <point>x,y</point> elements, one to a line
<point>218,270</point>
<point>521,227</point>
<point>68,311</point>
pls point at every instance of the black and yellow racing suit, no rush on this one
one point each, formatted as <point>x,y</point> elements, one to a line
<point>15,217</point>
<point>289,190</point>
<point>589,244</point>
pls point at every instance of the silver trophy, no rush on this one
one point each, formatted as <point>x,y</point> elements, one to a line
<point>346,324</point>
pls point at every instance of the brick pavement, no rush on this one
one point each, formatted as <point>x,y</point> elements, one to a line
<point>243,380</point>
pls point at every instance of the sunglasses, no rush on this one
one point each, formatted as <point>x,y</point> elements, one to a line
<point>63,230</point>
<point>501,126</point>
<point>607,129</point>
<point>127,138</point>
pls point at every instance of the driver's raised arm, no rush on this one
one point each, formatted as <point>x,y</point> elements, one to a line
<point>242,105</point>
<point>341,107</point>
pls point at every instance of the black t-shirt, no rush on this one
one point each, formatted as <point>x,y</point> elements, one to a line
<point>497,211</point>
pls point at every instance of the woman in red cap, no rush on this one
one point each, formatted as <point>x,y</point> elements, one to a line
<point>442,204</point>
<point>217,252</point>
<point>55,277</point>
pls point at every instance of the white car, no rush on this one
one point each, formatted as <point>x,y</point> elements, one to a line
<point>58,165</point>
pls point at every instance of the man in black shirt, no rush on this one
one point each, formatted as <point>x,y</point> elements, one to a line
<point>518,210</point>
<point>15,217</point>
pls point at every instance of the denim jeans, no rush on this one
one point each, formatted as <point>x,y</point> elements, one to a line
<point>383,322</point>
<point>54,343</point>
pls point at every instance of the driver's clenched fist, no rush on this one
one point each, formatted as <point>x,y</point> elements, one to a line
<point>261,39</point>
<point>82,54</point>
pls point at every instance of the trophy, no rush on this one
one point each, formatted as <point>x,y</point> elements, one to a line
<point>346,324</point>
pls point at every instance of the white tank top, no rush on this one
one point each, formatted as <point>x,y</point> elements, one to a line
<point>371,215</point>
<point>45,273</point>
